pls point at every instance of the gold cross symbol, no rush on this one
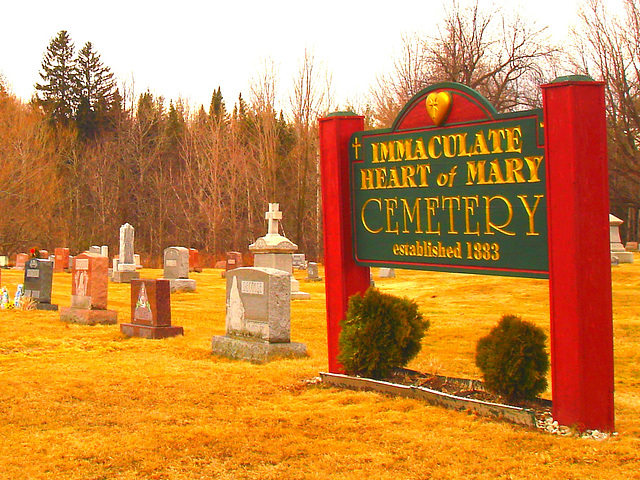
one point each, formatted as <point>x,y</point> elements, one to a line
<point>356,145</point>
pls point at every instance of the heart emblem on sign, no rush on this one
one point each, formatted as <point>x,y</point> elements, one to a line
<point>438,106</point>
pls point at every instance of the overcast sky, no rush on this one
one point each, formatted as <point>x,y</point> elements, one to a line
<point>188,48</point>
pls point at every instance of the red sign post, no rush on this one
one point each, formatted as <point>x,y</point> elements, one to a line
<point>577,214</point>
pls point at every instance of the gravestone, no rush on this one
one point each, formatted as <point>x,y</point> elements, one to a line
<point>258,316</point>
<point>124,270</point>
<point>137,261</point>
<point>150,310</point>
<point>89,291</point>
<point>44,254</point>
<point>194,261</point>
<point>275,251</point>
<point>176,269</point>
<point>233,261</point>
<point>616,247</point>
<point>4,261</point>
<point>61,262</point>
<point>631,246</point>
<point>387,273</point>
<point>299,261</point>
<point>95,249</point>
<point>312,272</point>
<point>21,259</point>
<point>220,264</point>
<point>38,280</point>
<point>104,251</point>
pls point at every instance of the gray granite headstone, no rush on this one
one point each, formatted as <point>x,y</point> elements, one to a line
<point>94,249</point>
<point>615,242</point>
<point>38,280</point>
<point>299,261</point>
<point>176,262</point>
<point>258,316</point>
<point>125,256</point>
<point>387,273</point>
<point>312,272</point>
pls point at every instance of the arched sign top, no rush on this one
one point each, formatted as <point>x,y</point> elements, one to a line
<point>445,103</point>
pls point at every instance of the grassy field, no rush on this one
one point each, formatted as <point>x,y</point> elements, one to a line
<point>81,402</point>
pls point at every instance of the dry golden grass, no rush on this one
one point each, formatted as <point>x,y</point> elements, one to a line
<point>80,402</point>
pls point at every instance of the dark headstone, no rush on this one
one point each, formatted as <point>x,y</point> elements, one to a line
<point>150,310</point>
<point>38,280</point>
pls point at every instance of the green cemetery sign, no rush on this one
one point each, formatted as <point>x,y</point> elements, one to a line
<point>452,186</point>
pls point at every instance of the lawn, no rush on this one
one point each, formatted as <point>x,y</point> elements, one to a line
<point>85,402</point>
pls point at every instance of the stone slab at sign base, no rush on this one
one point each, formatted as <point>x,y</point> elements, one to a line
<point>509,413</point>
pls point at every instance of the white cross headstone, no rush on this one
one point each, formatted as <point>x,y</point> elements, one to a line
<point>274,215</point>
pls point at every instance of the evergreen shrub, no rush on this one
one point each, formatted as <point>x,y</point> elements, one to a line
<point>513,359</point>
<point>380,332</point>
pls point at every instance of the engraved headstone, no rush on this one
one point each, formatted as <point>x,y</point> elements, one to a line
<point>176,269</point>
<point>124,270</point>
<point>61,262</point>
<point>258,316</point>
<point>89,291</point>
<point>38,280</point>
<point>150,310</point>
<point>21,259</point>
<point>312,272</point>
<point>387,273</point>
<point>194,261</point>
<point>4,261</point>
<point>299,261</point>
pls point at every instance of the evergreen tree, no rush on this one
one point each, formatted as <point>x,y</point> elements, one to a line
<point>57,94</point>
<point>98,96</point>
<point>217,109</point>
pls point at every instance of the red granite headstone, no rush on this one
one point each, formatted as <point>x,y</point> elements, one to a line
<point>194,260</point>
<point>44,254</point>
<point>21,259</point>
<point>61,262</point>
<point>89,291</point>
<point>150,310</point>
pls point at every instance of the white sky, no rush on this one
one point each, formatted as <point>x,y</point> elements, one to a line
<point>188,48</point>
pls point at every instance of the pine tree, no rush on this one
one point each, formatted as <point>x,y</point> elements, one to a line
<point>217,109</point>
<point>97,92</point>
<point>57,94</point>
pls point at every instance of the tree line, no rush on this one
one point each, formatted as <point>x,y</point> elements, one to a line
<point>86,155</point>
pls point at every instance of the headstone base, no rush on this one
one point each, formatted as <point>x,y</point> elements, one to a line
<point>88,317</point>
<point>151,332</point>
<point>255,351</point>
<point>182,285</point>
<point>314,279</point>
<point>46,306</point>
<point>124,277</point>
<point>624,257</point>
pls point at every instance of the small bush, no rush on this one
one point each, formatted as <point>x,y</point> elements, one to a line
<point>380,332</point>
<point>513,359</point>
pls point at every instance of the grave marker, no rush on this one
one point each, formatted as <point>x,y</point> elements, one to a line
<point>89,291</point>
<point>194,261</point>
<point>258,316</point>
<point>312,272</point>
<point>151,310</point>
<point>38,280</point>
<point>275,251</point>
<point>176,269</point>
<point>61,262</point>
<point>21,259</point>
<point>124,270</point>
